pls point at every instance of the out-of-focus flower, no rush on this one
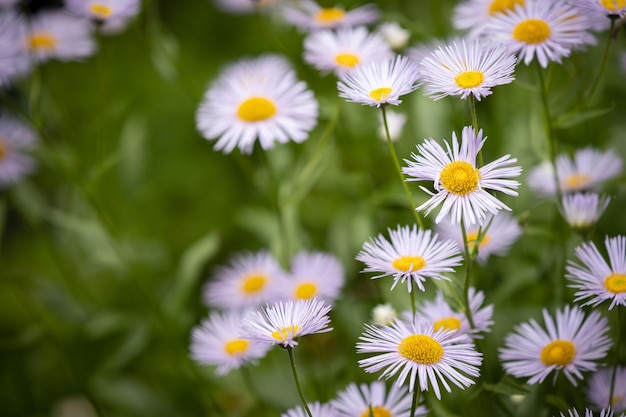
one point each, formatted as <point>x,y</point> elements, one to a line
<point>610,8</point>
<point>344,49</point>
<point>600,387</point>
<point>217,341</point>
<point>605,412</point>
<point>466,68</point>
<point>113,15</point>
<point>316,408</point>
<point>394,34</point>
<point>384,314</point>
<point>380,82</point>
<point>16,141</point>
<point>358,400</point>
<point>570,344</point>
<point>583,210</point>
<point>15,60</point>
<point>471,15</point>
<point>246,6</point>
<point>460,187</point>
<point>395,124</point>
<point>257,99</point>
<point>307,15</point>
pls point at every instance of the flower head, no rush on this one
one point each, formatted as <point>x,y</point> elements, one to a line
<point>466,68</point>
<point>600,387</point>
<point>570,344</point>
<point>113,14</point>
<point>282,323</point>
<point>315,274</point>
<point>605,412</point>
<point>342,50</point>
<point>412,256</point>
<point>440,315</point>
<point>257,99</point>
<point>394,34</point>
<point>15,61</point>
<point>246,6</point>
<point>472,15</point>
<point>357,400</point>
<point>59,35</point>
<point>609,8</point>
<point>246,283</point>
<point>501,232</point>
<point>545,30</point>
<point>588,169</point>
<point>16,141</point>
<point>417,351</point>
<point>384,314</point>
<point>583,210</point>
<point>216,341</point>
<point>380,82</point>
<point>460,187</point>
<point>317,410</point>
<point>309,16</point>
<point>597,280</point>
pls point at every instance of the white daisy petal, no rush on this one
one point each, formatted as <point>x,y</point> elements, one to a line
<point>356,400</point>
<point>309,16</point>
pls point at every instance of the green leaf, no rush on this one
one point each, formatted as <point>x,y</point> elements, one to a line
<point>507,386</point>
<point>574,119</point>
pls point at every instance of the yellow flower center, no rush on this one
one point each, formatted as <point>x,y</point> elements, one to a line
<point>460,177</point>
<point>3,149</point>
<point>381,93</point>
<point>469,79</point>
<point>41,41</point>
<point>578,181</point>
<point>236,347</point>
<point>613,5</point>
<point>449,323</point>
<point>501,6</point>
<point>616,283</point>
<point>558,352</point>
<point>347,60</point>
<point>100,11</point>
<point>532,31</point>
<point>617,399</point>
<point>421,349</point>
<point>253,283</point>
<point>409,263</point>
<point>330,15</point>
<point>472,238</point>
<point>306,290</point>
<point>286,333</point>
<point>376,412</point>
<point>256,109</point>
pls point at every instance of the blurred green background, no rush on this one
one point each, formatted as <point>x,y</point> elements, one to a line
<point>104,251</point>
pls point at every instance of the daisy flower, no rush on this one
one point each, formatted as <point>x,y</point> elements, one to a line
<point>600,386</point>
<point>15,61</point>
<point>16,141</point>
<point>460,187</point>
<point>342,50</point>
<point>384,314</point>
<point>59,35</point>
<point>379,82</point>
<point>358,400</point>
<point>473,14</point>
<point>571,344</point>
<point>545,30</point>
<point>317,410</point>
<point>417,351</point>
<point>246,283</point>
<point>314,274</point>
<point>394,34</point>
<point>572,412</point>
<point>257,99</point>
<point>112,14</point>
<point>588,169</point>
<point>595,279</point>
<point>412,256</point>
<point>246,6</point>
<point>309,16</point>
<point>282,323</point>
<point>503,231</point>
<point>463,69</point>
<point>582,210</point>
<point>609,8</point>
<point>440,315</point>
<point>395,124</point>
<point>216,341</point>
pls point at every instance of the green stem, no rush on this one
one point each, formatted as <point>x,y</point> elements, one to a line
<point>413,310</point>
<point>605,56</point>
<point>295,378</point>
<point>472,105</point>
<point>468,276</point>
<point>394,156</point>
<point>414,402</point>
<point>617,349</point>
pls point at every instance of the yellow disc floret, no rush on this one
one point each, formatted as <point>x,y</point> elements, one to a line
<point>532,31</point>
<point>306,290</point>
<point>39,41</point>
<point>253,283</point>
<point>256,109</point>
<point>448,323</point>
<point>460,177</point>
<point>613,5</point>
<point>346,60</point>
<point>615,283</point>
<point>286,333</point>
<point>409,263</point>
<point>502,6</point>
<point>469,79</point>
<point>100,11</point>
<point>421,349</point>
<point>377,411</point>
<point>236,347</point>
<point>380,94</point>
<point>330,15</point>
<point>558,352</point>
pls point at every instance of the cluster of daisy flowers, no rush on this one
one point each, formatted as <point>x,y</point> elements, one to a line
<point>64,33</point>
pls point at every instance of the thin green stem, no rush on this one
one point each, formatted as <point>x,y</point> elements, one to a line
<point>468,276</point>
<point>295,378</point>
<point>618,344</point>
<point>414,402</point>
<point>394,156</point>
<point>413,310</point>
<point>605,57</point>
<point>472,105</point>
